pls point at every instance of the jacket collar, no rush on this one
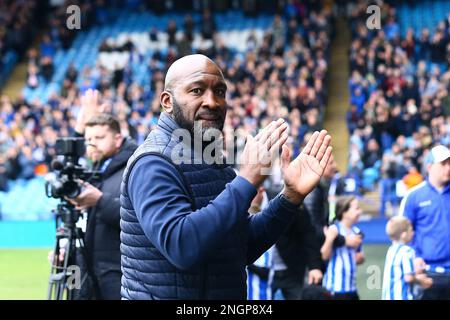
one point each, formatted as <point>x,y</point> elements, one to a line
<point>167,124</point>
<point>119,160</point>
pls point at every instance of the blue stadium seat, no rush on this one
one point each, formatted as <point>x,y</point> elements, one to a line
<point>84,50</point>
<point>424,14</point>
<point>26,200</point>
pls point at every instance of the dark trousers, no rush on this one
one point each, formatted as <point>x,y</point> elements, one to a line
<point>290,284</point>
<point>101,283</point>
<point>109,284</point>
<point>440,290</point>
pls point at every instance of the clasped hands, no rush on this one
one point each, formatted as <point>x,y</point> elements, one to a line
<point>301,174</point>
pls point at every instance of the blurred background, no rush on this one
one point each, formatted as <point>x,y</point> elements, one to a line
<point>382,94</point>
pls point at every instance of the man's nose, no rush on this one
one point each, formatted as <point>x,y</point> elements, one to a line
<point>91,145</point>
<point>209,100</point>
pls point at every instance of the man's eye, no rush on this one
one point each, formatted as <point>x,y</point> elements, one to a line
<point>220,92</point>
<point>196,90</point>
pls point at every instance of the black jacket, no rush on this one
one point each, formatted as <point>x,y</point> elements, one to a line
<point>299,247</point>
<point>316,203</point>
<point>102,236</point>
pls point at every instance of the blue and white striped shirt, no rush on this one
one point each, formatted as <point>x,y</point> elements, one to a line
<point>340,276</point>
<point>399,262</point>
<point>257,288</point>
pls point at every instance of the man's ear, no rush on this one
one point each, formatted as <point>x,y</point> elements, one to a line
<point>118,140</point>
<point>166,101</point>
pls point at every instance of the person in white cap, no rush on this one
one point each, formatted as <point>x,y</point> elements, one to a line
<point>427,206</point>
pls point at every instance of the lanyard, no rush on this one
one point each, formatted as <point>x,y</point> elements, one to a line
<point>105,165</point>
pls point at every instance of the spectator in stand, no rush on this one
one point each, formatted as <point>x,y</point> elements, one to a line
<point>27,163</point>
<point>171,32</point>
<point>3,174</point>
<point>413,178</point>
<point>47,48</point>
<point>32,76</point>
<point>208,25</point>
<point>47,68</point>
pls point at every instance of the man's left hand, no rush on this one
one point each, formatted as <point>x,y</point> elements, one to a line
<point>315,276</point>
<point>88,198</point>
<point>304,172</point>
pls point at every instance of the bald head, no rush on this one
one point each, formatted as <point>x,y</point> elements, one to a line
<point>195,92</point>
<point>190,66</point>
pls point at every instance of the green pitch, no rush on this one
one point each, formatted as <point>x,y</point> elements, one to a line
<point>370,273</point>
<point>24,273</point>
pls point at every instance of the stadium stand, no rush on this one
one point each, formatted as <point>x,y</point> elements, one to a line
<point>399,96</point>
<point>18,21</point>
<point>421,14</point>
<point>124,53</point>
<point>276,65</point>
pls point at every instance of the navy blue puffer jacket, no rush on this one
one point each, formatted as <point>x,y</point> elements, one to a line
<point>185,230</point>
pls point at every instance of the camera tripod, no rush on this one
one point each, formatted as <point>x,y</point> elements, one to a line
<point>69,260</point>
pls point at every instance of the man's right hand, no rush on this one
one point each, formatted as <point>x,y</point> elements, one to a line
<point>424,281</point>
<point>90,106</point>
<point>260,152</point>
<point>353,241</point>
<point>51,255</point>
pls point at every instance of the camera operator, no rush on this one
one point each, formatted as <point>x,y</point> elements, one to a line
<point>109,151</point>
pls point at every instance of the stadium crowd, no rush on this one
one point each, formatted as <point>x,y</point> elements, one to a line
<point>18,21</point>
<point>282,76</point>
<point>399,105</point>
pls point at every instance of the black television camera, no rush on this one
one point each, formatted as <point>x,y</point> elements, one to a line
<point>67,184</point>
<point>69,237</point>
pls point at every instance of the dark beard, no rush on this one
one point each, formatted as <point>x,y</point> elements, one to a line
<point>194,127</point>
<point>204,137</point>
<point>180,119</point>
